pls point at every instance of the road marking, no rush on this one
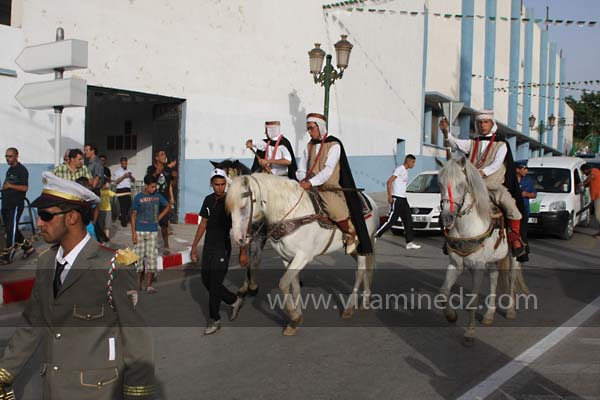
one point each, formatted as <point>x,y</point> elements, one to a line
<point>504,374</point>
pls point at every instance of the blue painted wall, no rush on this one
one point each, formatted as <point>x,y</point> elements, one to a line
<point>490,54</point>
<point>528,71</point>
<point>551,90</point>
<point>562,105</point>
<point>541,117</point>
<point>466,63</point>
<point>515,54</point>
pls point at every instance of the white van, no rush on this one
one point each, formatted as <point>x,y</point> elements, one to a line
<point>561,197</point>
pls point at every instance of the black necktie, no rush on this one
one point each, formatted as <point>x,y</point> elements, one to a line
<point>57,272</point>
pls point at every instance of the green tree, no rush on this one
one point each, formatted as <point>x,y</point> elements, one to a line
<point>587,115</point>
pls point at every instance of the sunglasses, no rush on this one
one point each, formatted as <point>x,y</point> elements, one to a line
<point>47,216</point>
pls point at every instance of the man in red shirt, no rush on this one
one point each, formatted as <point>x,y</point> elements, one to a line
<point>593,181</point>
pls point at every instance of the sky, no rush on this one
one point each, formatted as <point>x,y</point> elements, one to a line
<point>580,45</point>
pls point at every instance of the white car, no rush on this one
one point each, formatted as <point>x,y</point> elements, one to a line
<point>423,195</point>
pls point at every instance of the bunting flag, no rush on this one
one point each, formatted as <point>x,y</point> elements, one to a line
<point>349,6</point>
<point>522,84</point>
<point>537,95</point>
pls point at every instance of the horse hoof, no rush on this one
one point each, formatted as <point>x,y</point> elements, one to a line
<point>487,320</point>
<point>451,317</point>
<point>253,292</point>
<point>348,312</point>
<point>511,314</point>
<point>289,331</point>
<point>468,341</point>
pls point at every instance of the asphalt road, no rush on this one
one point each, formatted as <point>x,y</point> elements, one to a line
<point>404,352</point>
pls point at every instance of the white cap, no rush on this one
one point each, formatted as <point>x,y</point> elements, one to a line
<point>58,190</point>
<point>218,172</point>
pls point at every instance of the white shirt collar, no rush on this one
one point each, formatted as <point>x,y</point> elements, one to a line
<point>70,258</point>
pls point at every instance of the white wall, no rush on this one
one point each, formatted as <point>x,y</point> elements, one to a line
<point>239,63</point>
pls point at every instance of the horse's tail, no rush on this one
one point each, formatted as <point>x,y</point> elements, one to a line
<point>371,263</point>
<point>504,276</point>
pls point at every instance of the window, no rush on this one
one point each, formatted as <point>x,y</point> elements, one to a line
<point>126,141</point>
<point>5,10</point>
<point>551,180</point>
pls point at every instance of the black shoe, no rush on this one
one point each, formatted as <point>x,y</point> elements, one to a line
<point>445,248</point>
<point>523,258</point>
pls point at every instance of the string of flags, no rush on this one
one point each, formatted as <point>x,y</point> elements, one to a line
<point>508,89</point>
<point>537,95</point>
<point>348,6</point>
<point>522,84</point>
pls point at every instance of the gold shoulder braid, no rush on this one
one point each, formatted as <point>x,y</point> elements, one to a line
<point>138,391</point>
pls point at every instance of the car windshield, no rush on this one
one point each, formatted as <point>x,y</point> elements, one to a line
<point>551,180</point>
<point>424,183</point>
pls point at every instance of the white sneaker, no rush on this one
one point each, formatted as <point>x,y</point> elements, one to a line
<point>235,308</point>
<point>212,327</point>
<point>411,245</point>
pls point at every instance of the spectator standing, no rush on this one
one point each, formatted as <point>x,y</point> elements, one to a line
<point>107,174</point>
<point>144,229</point>
<point>593,181</point>
<point>105,214</point>
<point>95,167</point>
<point>123,179</point>
<point>528,192</point>
<point>396,191</point>
<point>14,190</point>
<point>74,168</point>
<point>216,223</point>
<point>164,178</point>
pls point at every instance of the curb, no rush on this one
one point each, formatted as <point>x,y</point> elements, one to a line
<point>174,260</point>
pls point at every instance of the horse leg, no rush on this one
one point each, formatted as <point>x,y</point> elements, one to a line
<point>452,274</point>
<point>353,300</point>
<point>511,313</point>
<point>490,312</point>
<point>285,283</point>
<point>473,304</point>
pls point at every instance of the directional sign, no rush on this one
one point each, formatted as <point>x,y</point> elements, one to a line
<point>44,58</point>
<point>60,92</point>
<point>452,109</point>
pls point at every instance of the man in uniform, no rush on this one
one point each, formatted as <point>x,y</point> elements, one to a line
<point>275,153</point>
<point>324,165</point>
<point>491,155</point>
<point>96,345</point>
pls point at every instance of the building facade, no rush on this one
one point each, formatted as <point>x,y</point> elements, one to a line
<point>199,78</point>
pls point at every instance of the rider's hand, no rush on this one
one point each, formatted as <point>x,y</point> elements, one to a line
<point>249,144</point>
<point>444,126</point>
<point>263,162</point>
<point>482,173</point>
<point>306,185</point>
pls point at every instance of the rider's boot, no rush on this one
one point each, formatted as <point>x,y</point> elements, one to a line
<point>514,237</point>
<point>347,228</point>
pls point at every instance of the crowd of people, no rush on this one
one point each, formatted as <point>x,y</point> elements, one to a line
<point>75,205</point>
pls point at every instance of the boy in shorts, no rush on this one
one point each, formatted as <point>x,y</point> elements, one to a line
<point>144,229</point>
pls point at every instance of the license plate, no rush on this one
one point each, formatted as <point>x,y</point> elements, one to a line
<point>419,218</point>
<point>532,220</point>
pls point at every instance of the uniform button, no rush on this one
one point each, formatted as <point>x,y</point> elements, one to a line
<point>88,316</point>
<point>99,384</point>
<point>58,336</point>
<point>55,368</point>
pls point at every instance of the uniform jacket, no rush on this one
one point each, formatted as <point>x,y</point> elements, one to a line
<point>90,350</point>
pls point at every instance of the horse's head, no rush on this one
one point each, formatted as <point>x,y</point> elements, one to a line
<point>462,189</point>
<point>246,204</point>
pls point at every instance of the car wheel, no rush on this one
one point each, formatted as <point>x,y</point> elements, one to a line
<point>567,232</point>
<point>397,231</point>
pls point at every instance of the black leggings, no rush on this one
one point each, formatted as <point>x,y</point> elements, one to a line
<point>400,208</point>
<point>214,268</point>
<point>11,217</point>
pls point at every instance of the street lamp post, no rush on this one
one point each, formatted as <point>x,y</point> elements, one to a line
<point>328,75</point>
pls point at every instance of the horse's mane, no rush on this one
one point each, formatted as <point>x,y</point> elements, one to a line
<point>462,171</point>
<point>280,192</point>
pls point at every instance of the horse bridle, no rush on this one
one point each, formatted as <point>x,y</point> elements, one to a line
<point>248,237</point>
<point>459,206</point>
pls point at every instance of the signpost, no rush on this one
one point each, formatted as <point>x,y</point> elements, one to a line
<point>62,55</point>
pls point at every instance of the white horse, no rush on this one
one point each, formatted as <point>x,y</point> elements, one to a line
<point>281,201</point>
<point>474,243</point>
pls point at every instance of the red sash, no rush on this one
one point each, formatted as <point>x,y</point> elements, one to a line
<point>485,154</point>
<point>274,153</point>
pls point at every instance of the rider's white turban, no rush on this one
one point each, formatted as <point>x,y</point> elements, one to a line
<point>320,120</point>
<point>485,115</point>
<point>273,129</point>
